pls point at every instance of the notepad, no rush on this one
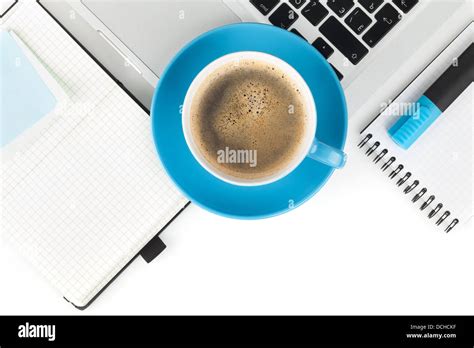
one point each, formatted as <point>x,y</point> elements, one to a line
<point>436,173</point>
<point>89,193</point>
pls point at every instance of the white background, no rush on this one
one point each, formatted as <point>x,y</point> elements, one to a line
<point>357,247</point>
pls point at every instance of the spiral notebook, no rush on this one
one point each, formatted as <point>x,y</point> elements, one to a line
<point>437,171</point>
<point>82,198</point>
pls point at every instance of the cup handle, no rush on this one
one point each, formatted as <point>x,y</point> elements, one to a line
<point>328,155</point>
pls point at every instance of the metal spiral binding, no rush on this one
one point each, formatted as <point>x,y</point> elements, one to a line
<point>413,185</point>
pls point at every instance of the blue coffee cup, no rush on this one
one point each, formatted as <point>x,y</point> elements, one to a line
<point>323,156</point>
<point>309,145</point>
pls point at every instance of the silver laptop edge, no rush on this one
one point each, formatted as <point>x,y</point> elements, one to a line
<point>419,37</point>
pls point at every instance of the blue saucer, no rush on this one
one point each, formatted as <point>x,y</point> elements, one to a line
<point>194,181</point>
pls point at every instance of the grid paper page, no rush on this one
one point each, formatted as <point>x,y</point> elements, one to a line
<point>85,197</point>
<point>442,158</point>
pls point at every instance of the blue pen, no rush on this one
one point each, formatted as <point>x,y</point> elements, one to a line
<point>437,98</point>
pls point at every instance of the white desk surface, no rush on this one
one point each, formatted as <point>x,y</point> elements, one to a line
<point>356,248</point>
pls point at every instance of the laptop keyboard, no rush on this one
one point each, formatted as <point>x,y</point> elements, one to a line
<point>352,27</point>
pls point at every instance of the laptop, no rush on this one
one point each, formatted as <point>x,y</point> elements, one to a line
<point>375,46</point>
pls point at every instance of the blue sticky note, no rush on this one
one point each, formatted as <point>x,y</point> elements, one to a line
<point>24,96</point>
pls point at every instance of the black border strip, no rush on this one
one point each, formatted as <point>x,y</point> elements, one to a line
<point>242,331</point>
<point>144,109</point>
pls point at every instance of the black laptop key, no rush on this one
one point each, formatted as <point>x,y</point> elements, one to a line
<point>338,73</point>
<point>283,17</point>
<point>297,3</point>
<point>371,5</point>
<point>405,5</point>
<point>343,40</point>
<point>388,14</point>
<point>296,32</point>
<point>358,21</point>
<point>314,12</point>
<point>387,18</point>
<point>376,33</point>
<point>323,47</point>
<point>264,6</point>
<point>340,7</point>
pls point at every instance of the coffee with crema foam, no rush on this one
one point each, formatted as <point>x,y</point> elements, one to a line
<point>248,119</point>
